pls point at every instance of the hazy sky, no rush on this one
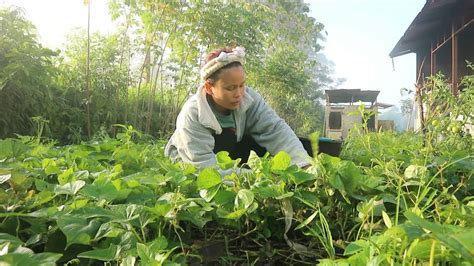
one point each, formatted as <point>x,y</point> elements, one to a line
<point>361,34</point>
<point>54,19</point>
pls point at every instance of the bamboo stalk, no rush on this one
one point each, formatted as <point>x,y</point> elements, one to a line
<point>88,116</point>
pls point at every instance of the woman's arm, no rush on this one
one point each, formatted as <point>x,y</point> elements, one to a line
<point>273,133</point>
<point>194,142</point>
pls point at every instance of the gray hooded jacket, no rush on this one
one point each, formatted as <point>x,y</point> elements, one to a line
<point>193,141</point>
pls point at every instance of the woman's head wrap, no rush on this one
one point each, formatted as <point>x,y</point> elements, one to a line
<point>237,55</point>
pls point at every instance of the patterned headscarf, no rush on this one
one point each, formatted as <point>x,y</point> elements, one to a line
<point>237,55</point>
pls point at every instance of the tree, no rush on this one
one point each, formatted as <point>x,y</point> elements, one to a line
<point>26,71</point>
<point>174,35</point>
<point>108,78</point>
<point>294,76</point>
<point>406,103</point>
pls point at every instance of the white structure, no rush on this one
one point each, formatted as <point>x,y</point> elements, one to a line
<point>339,106</point>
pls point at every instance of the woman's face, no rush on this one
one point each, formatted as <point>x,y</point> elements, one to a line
<point>228,90</point>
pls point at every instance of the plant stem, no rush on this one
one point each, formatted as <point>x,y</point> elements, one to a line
<point>433,244</point>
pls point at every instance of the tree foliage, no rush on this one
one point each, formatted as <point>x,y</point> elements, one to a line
<point>280,38</point>
<point>26,72</point>
<point>142,73</point>
<point>108,81</point>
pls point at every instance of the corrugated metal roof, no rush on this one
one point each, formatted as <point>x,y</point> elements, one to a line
<point>350,95</point>
<point>383,105</point>
<point>433,17</point>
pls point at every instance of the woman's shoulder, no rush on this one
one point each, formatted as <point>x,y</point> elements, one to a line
<point>191,103</point>
<point>251,91</point>
<point>255,99</point>
<point>189,111</point>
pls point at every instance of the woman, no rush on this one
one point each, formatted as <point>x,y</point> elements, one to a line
<point>224,114</point>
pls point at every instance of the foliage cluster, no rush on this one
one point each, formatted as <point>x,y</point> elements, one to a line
<point>390,200</point>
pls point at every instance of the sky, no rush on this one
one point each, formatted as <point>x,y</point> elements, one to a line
<point>360,35</point>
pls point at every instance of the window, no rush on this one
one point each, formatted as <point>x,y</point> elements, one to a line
<point>371,123</point>
<point>335,119</point>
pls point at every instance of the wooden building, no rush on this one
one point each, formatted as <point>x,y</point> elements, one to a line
<point>442,36</point>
